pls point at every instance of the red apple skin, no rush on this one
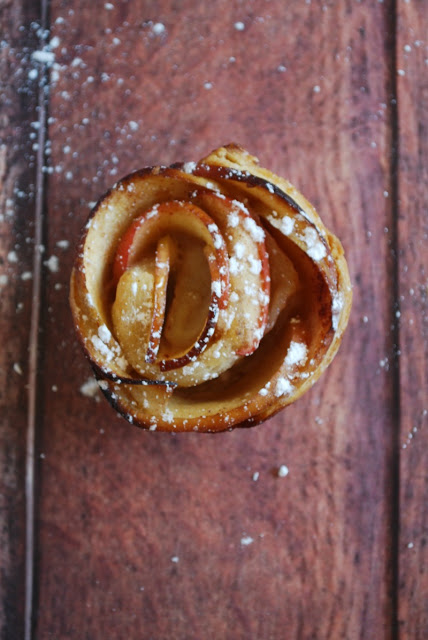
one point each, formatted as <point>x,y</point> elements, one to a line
<point>123,251</point>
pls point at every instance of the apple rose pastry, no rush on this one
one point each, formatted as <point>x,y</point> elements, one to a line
<point>207,295</point>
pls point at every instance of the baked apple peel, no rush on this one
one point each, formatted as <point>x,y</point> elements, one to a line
<point>208,295</point>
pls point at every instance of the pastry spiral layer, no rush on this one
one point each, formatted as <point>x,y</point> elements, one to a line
<point>207,295</point>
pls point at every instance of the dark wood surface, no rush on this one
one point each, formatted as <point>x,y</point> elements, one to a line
<point>112,532</point>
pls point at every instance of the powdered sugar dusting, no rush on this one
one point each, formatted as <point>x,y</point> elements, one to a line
<point>255,265</point>
<point>189,167</point>
<point>315,248</point>
<point>104,333</point>
<point>336,309</point>
<point>283,387</point>
<point>255,231</point>
<point>284,224</point>
<point>216,288</point>
<point>297,354</point>
<point>233,219</point>
<point>102,348</point>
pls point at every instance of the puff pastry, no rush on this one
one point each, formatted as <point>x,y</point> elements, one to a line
<point>207,295</point>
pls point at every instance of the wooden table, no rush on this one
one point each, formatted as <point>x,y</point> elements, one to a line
<point>109,532</point>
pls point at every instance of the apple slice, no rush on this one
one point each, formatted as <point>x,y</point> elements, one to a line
<point>249,269</point>
<point>188,300</point>
<point>164,251</point>
<point>132,312</point>
<point>185,223</point>
<point>264,296</point>
<point>211,318</point>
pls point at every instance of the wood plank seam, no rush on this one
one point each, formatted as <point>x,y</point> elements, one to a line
<point>395,457</point>
<point>413,288</point>
<point>33,359</point>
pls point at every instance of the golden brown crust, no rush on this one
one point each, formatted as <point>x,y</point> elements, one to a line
<point>268,282</point>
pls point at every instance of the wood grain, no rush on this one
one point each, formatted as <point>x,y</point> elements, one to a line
<point>18,151</point>
<point>412,316</point>
<point>143,535</point>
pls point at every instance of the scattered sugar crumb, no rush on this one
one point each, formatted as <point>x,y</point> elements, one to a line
<point>109,6</point>
<point>27,275</point>
<point>401,72</point>
<point>316,88</point>
<point>63,244</point>
<point>17,368</point>
<point>283,471</point>
<point>158,28</point>
<point>3,279</point>
<point>52,264</point>
<point>246,540</point>
<point>48,57</point>
<point>55,42</point>
<point>54,388</point>
<point>208,85</point>
<point>256,475</point>
<point>89,388</point>
<point>175,559</point>
<point>410,545</point>
<point>239,26</point>
<point>12,256</point>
